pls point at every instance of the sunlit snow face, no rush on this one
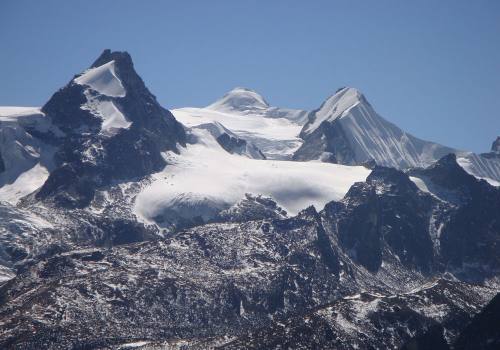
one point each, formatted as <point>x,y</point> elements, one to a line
<point>208,173</point>
<point>104,81</point>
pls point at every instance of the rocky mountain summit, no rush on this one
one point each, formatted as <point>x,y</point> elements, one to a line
<point>110,120</point>
<point>238,225</point>
<point>495,147</point>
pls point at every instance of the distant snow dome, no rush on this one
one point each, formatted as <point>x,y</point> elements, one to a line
<point>240,98</point>
<point>103,79</point>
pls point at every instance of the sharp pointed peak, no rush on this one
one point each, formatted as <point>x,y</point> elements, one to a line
<point>347,92</point>
<point>335,107</point>
<point>112,74</point>
<point>343,98</point>
<point>119,57</point>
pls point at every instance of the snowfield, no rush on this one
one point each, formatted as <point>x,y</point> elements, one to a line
<point>103,79</point>
<point>475,165</point>
<point>10,113</point>
<point>205,178</point>
<point>112,118</point>
<point>27,160</point>
<point>209,174</point>
<point>274,130</point>
<point>277,138</point>
<point>26,183</point>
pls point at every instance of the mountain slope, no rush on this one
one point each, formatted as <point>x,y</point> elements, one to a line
<point>25,160</point>
<point>110,121</point>
<point>121,227</point>
<point>246,285</point>
<point>204,179</point>
<point>347,130</point>
<point>247,114</point>
<point>483,331</point>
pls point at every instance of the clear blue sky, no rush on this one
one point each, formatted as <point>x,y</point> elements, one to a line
<point>431,67</point>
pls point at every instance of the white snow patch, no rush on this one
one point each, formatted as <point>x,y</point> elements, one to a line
<point>103,79</point>
<point>277,138</point>
<point>14,111</point>
<point>25,184</point>
<point>6,274</point>
<point>205,170</point>
<point>112,118</point>
<point>420,184</point>
<point>478,166</point>
<point>134,345</point>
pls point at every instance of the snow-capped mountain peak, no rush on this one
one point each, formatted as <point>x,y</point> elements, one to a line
<point>240,99</point>
<point>335,107</point>
<point>110,120</point>
<point>273,130</point>
<point>197,232</point>
<point>347,130</point>
<point>111,74</point>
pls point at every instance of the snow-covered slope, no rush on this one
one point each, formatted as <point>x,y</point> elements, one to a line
<point>275,131</point>
<point>204,176</point>
<point>26,183</point>
<point>24,159</point>
<point>103,79</point>
<point>246,101</point>
<point>481,167</point>
<point>230,141</point>
<point>347,130</point>
<point>277,138</point>
<point>149,232</point>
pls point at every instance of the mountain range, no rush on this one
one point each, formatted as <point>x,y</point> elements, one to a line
<point>239,225</point>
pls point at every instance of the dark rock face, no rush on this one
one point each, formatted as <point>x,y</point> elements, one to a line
<point>233,144</point>
<point>65,112</point>
<point>386,212</point>
<point>251,208</point>
<point>447,174</point>
<point>495,147</point>
<point>2,165</point>
<point>87,159</point>
<point>368,270</point>
<point>328,143</point>
<point>495,150</point>
<point>432,338</point>
<point>158,285</point>
<point>470,236</point>
<point>261,283</point>
<point>483,332</point>
<point>229,143</point>
<point>363,321</point>
<point>389,216</point>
